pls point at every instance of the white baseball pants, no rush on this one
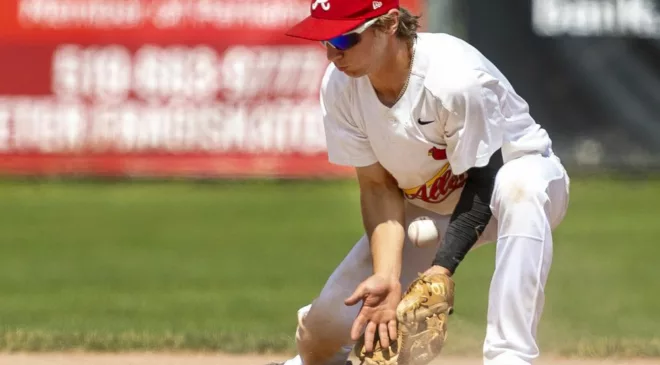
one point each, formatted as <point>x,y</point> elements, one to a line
<point>530,199</point>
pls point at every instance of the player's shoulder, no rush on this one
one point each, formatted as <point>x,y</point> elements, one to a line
<point>453,66</point>
<point>335,85</point>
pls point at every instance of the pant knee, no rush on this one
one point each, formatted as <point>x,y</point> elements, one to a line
<point>322,337</point>
<point>520,205</point>
<point>515,193</point>
<point>531,186</point>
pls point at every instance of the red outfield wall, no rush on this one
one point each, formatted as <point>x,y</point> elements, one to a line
<point>160,88</point>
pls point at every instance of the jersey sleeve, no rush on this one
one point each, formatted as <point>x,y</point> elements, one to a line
<point>347,144</point>
<point>473,127</point>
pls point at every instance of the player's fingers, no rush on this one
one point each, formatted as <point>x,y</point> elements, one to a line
<point>384,335</point>
<point>369,335</point>
<point>358,325</point>
<point>393,330</point>
<point>357,295</point>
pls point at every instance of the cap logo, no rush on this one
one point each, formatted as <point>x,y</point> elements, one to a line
<point>377,4</point>
<point>325,4</point>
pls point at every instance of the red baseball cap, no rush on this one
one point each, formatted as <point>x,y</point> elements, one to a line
<point>331,18</point>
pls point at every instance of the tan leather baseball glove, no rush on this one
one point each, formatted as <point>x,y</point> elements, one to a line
<point>422,315</point>
<point>422,324</point>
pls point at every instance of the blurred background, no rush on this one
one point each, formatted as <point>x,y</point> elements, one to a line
<point>165,184</point>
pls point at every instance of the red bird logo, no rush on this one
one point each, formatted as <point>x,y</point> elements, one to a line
<point>438,154</point>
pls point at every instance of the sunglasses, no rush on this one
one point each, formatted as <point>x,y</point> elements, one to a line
<point>348,40</point>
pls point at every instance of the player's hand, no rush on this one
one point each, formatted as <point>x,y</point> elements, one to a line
<point>380,298</point>
<point>437,270</point>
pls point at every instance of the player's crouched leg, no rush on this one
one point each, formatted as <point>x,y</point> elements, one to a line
<point>321,339</point>
<point>323,336</point>
<point>529,200</point>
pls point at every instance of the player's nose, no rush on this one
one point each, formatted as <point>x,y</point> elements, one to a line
<point>332,53</point>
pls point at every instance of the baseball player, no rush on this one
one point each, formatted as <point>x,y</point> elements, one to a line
<point>433,129</point>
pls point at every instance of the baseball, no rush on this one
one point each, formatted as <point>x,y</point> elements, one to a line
<point>422,231</point>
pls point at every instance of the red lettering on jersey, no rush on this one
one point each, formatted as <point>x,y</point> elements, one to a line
<point>438,188</point>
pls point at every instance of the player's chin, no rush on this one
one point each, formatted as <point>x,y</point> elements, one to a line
<point>352,72</point>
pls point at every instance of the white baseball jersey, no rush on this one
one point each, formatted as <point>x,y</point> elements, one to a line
<point>457,110</point>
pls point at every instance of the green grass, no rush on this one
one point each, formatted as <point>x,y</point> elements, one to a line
<point>191,266</point>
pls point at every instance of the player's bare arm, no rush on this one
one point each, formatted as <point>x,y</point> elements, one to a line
<point>382,202</point>
<point>382,208</point>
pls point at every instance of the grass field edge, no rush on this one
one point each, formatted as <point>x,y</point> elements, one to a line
<point>23,341</point>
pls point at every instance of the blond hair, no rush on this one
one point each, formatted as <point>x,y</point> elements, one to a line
<point>408,24</point>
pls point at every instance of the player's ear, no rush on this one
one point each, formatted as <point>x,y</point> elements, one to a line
<point>389,22</point>
<point>393,25</point>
